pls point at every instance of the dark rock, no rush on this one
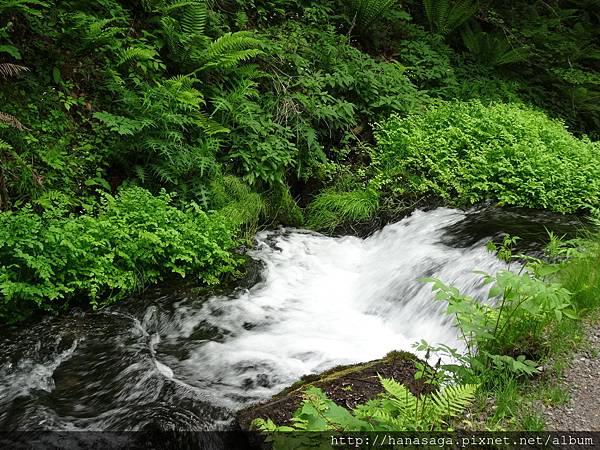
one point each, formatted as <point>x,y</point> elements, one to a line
<point>348,386</point>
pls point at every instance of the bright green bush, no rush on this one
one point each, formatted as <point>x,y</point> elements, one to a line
<point>465,152</point>
<point>133,239</point>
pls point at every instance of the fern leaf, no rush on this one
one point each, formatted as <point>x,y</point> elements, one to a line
<point>403,400</point>
<point>136,53</point>
<point>460,13</point>
<point>453,400</point>
<point>11,121</point>
<point>210,126</point>
<point>25,6</point>
<point>194,18</point>
<point>231,60</point>
<point>230,49</point>
<point>367,11</point>
<point>12,70</point>
<point>140,173</point>
<point>444,16</point>
<point>5,145</point>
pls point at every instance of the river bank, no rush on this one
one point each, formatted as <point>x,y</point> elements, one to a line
<point>189,359</point>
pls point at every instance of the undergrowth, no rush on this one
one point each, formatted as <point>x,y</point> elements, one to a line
<point>129,241</point>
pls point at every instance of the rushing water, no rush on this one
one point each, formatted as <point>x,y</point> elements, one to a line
<point>177,360</point>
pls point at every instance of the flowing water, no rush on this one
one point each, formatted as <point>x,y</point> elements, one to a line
<point>176,359</point>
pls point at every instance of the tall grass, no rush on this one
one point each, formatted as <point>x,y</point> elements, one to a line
<point>333,209</point>
<point>581,273</point>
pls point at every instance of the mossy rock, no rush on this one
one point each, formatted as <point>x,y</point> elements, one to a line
<point>348,386</point>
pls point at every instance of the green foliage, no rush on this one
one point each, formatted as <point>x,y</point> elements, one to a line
<point>183,28</point>
<point>6,150</point>
<point>237,203</point>
<point>467,152</point>
<point>445,16</point>
<point>399,410</point>
<point>579,261</point>
<point>327,92</point>
<point>131,240</point>
<point>507,332</point>
<point>396,409</point>
<point>332,209</point>
<point>157,128</point>
<point>563,55</point>
<point>32,7</point>
<point>236,104</point>
<point>492,49</point>
<point>365,12</point>
<point>428,60</point>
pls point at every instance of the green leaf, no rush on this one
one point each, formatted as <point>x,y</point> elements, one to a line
<point>11,50</point>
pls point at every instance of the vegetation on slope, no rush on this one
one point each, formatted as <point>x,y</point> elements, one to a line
<point>252,109</point>
<point>465,153</point>
<point>258,113</point>
<point>130,240</point>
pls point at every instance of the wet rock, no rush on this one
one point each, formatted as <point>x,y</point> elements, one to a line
<point>348,386</point>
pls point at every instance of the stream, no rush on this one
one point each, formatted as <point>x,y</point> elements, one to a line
<point>176,359</point>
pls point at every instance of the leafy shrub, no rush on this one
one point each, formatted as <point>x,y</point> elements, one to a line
<point>492,49</point>
<point>427,58</point>
<point>578,272</point>
<point>485,84</point>
<point>133,239</point>
<point>396,409</point>
<point>465,152</point>
<point>561,73</point>
<point>238,203</point>
<point>328,92</point>
<point>505,333</point>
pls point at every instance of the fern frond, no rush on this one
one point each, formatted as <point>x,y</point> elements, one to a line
<point>231,60</point>
<point>492,48</point>
<point>453,400</point>
<point>229,50</point>
<point>210,126</point>
<point>93,30</point>
<point>194,18</point>
<point>367,11</point>
<point>11,121</point>
<point>100,28</point>
<point>136,53</point>
<point>25,6</point>
<point>140,173</point>
<point>444,16</point>
<point>174,6</point>
<point>401,397</point>
<point>5,145</point>
<point>460,13</point>
<point>250,72</point>
<point>12,70</point>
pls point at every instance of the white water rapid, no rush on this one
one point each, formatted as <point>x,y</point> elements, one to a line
<point>322,302</point>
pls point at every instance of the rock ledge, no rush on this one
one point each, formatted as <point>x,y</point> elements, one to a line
<point>347,386</point>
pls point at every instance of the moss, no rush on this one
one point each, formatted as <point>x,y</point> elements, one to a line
<point>348,386</point>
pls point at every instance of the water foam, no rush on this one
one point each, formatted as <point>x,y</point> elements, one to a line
<point>326,301</point>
